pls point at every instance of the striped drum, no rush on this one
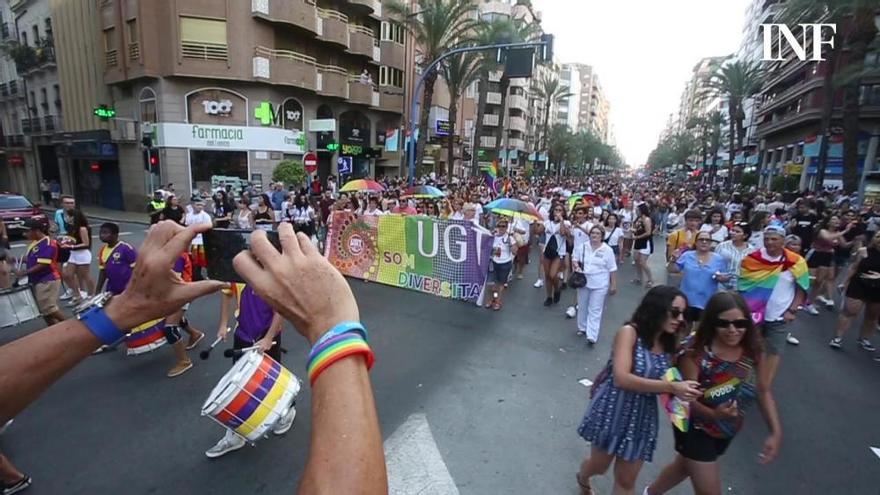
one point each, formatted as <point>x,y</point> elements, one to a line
<point>252,396</point>
<point>146,337</point>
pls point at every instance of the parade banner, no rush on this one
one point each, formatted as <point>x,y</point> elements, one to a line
<point>446,258</point>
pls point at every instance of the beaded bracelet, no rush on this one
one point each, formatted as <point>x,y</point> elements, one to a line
<point>331,350</point>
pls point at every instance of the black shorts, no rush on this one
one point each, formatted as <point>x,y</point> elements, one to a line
<point>841,257</point>
<point>693,314</point>
<point>820,259</point>
<point>696,445</point>
<point>501,271</point>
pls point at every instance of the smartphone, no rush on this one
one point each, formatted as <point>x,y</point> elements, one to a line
<point>221,246</point>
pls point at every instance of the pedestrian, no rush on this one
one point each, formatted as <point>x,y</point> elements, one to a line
<point>627,216</point>
<point>173,211</point>
<point>701,271</point>
<point>155,206</point>
<point>116,261</point>
<point>504,245</point>
<point>45,192</point>
<point>41,269</point>
<point>613,232</point>
<point>759,220</point>
<point>861,283</point>
<point>264,216</point>
<point>81,257</point>
<point>197,249</point>
<point>774,282</point>
<point>222,210</point>
<point>557,229</point>
<point>820,260</point>
<point>734,250</point>
<point>643,245</point>
<point>580,235</point>
<point>257,324</point>
<point>724,357</point>
<point>11,479</point>
<point>597,262</point>
<point>55,192</point>
<point>714,225</point>
<point>621,422</point>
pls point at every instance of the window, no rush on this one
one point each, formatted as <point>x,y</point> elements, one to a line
<point>389,76</point>
<point>203,38</point>
<point>44,98</point>
<point>148,106</point>
<point>109,39</point>
<point>36,30</point>
<point>391,31</point>
<point>132,28</point>
<point>48,27</point>
<point>57,91</point>
<point>24,38</point>
<point>471,90</point>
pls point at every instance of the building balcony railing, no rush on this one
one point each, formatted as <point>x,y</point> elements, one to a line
<point>391,100</point>
<point>134,51</point>
<point>362,41</point>
<point>779,122</point>
<point>51,123</point>
<point>285,67</point>
<point>31,126</point>
<point>369,4</point>
<point>490,120</point>
<point>516,143</point>
<point>15,141</point>
<point>518,101</point>
<point>334,26</point>
<point>517,124</point>
<point>495,76</point>
<point>300,13</point>
<point>487,141</point>
<point>332,81</point>
<point>202,50</point>
<point>392,54</point>
<point>110,58</point>
<point>785,96</point>
<point>493,98</point>
<point>362,92</point>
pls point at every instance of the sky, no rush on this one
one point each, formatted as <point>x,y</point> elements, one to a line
<point>644,52</point>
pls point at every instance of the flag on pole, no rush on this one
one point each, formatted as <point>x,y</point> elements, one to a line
<point>491,175</point>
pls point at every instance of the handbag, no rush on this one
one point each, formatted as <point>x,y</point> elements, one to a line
<point>578,280</point>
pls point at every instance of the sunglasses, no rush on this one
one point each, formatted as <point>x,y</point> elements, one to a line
<point>741,324</point>
<point>675,313</point>
<point>703,239</point>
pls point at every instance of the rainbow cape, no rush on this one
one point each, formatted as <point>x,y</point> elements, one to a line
<point>759,276</point>
<point>679,411</point>
<point>491,174</point>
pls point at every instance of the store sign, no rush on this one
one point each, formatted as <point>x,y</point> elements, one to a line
<point>322,125</point>
<point>222,107</point>
<point>16,160</point>
<point>352,149</point>
<point>221,137</point>
<point>443,127</point>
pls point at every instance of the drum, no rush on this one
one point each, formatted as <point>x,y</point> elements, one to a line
<point>252,396</point>
<point>145,338</point>
<point>18,305</point>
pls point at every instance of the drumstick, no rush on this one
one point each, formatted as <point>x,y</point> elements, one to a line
<point>204,354</point>
<point>239,352</point>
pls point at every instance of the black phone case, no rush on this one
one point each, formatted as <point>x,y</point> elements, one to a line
<point>221,246</point>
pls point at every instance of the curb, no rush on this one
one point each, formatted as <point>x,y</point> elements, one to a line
<point>104,218</point>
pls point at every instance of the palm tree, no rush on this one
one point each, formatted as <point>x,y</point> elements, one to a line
<point>551,91</point>
<point>518,31</point>
<point>436,26</point>
<point>736,81</point>
<point>854,36</point>
<point>715,121</point>
<point>459,71</point>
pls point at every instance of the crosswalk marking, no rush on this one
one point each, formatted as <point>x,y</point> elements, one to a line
<point>414,461</point>
<point>876,451</point>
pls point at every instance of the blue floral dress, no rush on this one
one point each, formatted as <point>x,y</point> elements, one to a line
<point>624,423</point>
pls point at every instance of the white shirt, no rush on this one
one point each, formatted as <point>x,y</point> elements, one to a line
<point>579,236</point>
<point>597,264</point>
<point>552,228</point>
<point>733,208</point>
<point>782,295</point>
<point>719,235</point>
<point>523,225</point>
<point>458,215</point>
<point>196,218</point>
<point>300,216</point>
<point>613,238</point>
<point>501,248</point>
<point>373,213</point>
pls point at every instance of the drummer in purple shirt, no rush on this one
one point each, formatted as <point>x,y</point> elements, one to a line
<point>115,260</point>
<point>256,325</point>
<point>42,271</point>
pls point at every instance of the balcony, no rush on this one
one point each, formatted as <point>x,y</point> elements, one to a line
<point>495,76</point>
<point>51,123</point>
<point>201,50</point>
<point>517,124</point>
<point>285,67</point>
<point>777,123</point>
<point>15,141</point>
<point>334,27</point>
<point>362,92</point>
<point>518,101</point>
<point>299,13</point>
<point>368,4</point>
<point>516,144</point>
<point>392,54</point>
<point>31,126</point>
<point>490,120</point>
<point>362,41</point>
<point>4,31</point>
<point>786,95</point>
<point>391,102</point>
<point>487,141</point>
<point>493,98</point>
<point>332,81</point>
<point>134,52</point>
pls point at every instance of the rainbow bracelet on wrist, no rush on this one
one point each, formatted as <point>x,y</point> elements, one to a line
<point>328,351</point>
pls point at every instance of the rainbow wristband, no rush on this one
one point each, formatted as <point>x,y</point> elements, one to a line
<point>331,350</point>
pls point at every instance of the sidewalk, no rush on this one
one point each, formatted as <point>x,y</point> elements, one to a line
<point>108,215</point>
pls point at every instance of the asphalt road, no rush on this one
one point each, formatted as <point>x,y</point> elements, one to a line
<point>499,391</point>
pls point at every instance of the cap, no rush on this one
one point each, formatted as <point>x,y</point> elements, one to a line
<point>34,224</point>
<point>774,229</point>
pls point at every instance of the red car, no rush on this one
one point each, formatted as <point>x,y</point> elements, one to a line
<point>15,209</point>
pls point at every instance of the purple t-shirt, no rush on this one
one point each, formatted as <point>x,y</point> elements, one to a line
<point>43,252</point>
<point>254,315</point>
<point>117,263</point>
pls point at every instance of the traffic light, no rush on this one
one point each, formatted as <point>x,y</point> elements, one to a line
<point>151,160</point>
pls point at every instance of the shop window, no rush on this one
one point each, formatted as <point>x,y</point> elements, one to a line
<point>211,167</point>
<point>203,38</point>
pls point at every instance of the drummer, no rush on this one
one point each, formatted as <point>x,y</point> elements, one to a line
<point>177,321</point>
<point>42,270</point>
<point>257,325</point>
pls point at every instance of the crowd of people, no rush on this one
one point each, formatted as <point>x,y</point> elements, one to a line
<point>741,268</point>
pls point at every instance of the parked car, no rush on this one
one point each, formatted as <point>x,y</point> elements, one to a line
<point>15,209</point>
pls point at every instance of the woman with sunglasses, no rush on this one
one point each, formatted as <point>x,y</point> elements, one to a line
<point>621,423</point>
<point>598,263</point>
<point>643,245</point>
<point>734,250</point>
<point>701,271</point>
<point>724,356</point>
<point>557,230</point>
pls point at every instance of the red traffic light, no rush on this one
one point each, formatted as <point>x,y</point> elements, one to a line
<point>154,160</point>
<point>95,167</point>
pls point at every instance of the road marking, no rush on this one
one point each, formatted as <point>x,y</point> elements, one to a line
<point>585,382</point>
<point>414,461</point>
<point>876,451</point>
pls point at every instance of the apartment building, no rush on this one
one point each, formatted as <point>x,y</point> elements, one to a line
<point>30,101</point>
<point>227,90</point>
<point>587,109</point>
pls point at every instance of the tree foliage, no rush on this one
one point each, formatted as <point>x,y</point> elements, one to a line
<point>290,172</point>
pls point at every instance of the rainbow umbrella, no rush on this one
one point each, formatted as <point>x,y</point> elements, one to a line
<point>362,185</point>
<point>585,195</point>
<point>514,208</point>
<point>423,192</point>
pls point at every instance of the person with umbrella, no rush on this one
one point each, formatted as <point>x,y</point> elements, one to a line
<point>503,248</point>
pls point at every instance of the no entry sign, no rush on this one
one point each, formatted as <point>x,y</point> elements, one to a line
<point>310,162</point>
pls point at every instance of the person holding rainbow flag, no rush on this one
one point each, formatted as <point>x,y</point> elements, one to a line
<point>774,282</point>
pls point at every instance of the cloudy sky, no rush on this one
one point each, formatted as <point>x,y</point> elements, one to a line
<point>643,51</point>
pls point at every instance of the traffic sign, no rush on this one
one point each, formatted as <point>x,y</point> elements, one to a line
<point>344,164</point>
<point>310,162</point>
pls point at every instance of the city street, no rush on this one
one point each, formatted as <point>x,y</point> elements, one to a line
<point>470,401</point>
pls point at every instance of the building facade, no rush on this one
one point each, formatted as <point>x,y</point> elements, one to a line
<point>224,91</point>
<point>588,109</point>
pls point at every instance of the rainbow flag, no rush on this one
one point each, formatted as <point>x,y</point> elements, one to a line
<point>491,174</point>
<point>759,276</point>
<point>679,411</point>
